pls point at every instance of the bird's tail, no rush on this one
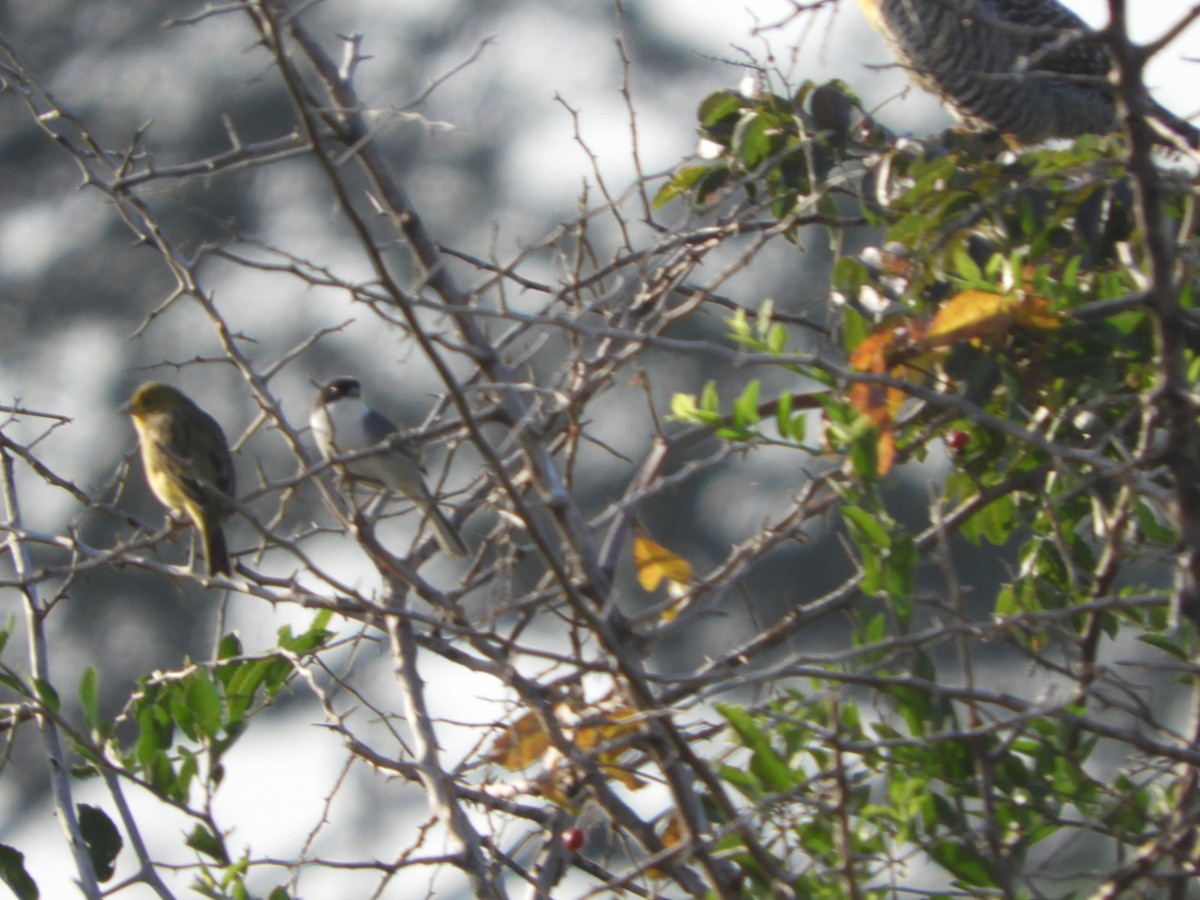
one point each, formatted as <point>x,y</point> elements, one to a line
<point>447,537</point>
<point>216,553</point>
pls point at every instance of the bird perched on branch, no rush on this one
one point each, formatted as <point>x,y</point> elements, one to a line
<point>187,462</point>
<point>344,425</point>
<point>1030,69</point>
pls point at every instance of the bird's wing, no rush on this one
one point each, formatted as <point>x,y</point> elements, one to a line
<point>198,475</point>
<point>377,427</point>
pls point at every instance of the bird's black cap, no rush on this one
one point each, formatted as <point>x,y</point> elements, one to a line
<point>342,386</point>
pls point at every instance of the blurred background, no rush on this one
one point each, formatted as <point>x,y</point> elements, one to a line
<point>491,161</point>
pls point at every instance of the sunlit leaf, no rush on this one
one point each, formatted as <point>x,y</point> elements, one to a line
<point>680,183</point>
<point>654,562</point>
<point>975,315</point>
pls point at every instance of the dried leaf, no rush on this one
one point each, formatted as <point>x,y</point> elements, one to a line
<point>522,743</point>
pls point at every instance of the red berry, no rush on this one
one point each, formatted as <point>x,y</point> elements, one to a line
<point>956,441</point>
<point>572,839</point>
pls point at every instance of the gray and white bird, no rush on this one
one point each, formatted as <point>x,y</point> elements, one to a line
<point>343,424</point>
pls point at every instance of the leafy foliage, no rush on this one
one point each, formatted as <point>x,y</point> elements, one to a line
<point>1008,311</point>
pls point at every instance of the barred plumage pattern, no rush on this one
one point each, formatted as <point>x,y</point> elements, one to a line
<point>971,53</point>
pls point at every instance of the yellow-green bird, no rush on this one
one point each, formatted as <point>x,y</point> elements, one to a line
<point>187,463</point>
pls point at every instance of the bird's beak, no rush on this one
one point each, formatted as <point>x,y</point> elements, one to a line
<point>126,408</point>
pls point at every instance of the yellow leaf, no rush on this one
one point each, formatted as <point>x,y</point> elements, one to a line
<point>521,744</point>
<point>618,722</point>
<point>971,315</point>
<point>655,562</point>
<point>673,835</point>
<point>976,315</point>
<point>675,832</point>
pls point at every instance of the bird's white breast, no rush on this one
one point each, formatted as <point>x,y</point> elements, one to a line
<point>338,429</point>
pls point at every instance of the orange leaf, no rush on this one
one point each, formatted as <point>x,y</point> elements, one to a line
<point>885,352</point>
<point>655,562</point>
<point>871,355</point>
<point>885,450</point>
<point>871,400</point>
<point>1035,312</point>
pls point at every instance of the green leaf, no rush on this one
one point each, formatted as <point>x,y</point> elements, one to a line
<point>89,698</point>
<point>783,414</point>
<point>230,646</point>
<point>849,274</point>
<point>204,703</point>
<point>718,106</point>
<point>679,184</point>
<point>867,527</point>
<point>1152,527</point>
<point>155,734</point>
<point>277,676</point>
<point>205,842</point>
<point>13,874</point>
<point>739,324</point>
<point>712,181</point>
<point>188,769</point>
<point>1006,602</point>
<point>763,321</point>
<point>1167,645</point>
<point>181,712</point>
<point>745,407</point>
<point>47,694</point>
<point>750,143</point>
<point>683,406</point>
<point>964,862</point>
<point>102,839</point>
<point>772,771</point>
<point>777,338</point>
<point>900,575</point>
<point>967,269</point>
<point>316,636</point>
<point>994,523</point>
<point>855,328</point>
<point>245,684</point>
<point>744,781</point>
